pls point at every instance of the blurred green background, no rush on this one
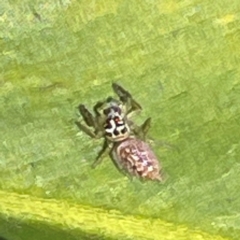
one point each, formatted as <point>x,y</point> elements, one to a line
<point>179,59</point>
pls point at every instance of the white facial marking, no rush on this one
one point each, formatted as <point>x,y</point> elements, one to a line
<point>113,126</point>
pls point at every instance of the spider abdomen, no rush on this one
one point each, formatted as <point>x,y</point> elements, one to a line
<point>136,158</point>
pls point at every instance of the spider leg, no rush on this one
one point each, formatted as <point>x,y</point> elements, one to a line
<point>87,116</point>
<point>98,106</point>
<point>135,106</point>
<point>85,129</point>
<point>141,131</point>
<point>146,126</point>
<point>120,91</point>
<point>126,98</point>
<point>99,157</point>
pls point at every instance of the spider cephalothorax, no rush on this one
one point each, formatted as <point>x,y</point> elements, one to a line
<point>111,117</point>
<point>122,137</point>
<point>116,126</point>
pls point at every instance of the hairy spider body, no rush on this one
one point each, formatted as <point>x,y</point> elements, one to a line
<point>123,139</point>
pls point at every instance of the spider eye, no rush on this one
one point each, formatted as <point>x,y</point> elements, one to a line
<point>117,109</point>
<point>124,130</point>
<point>116,132</point>
<point>117,119</point>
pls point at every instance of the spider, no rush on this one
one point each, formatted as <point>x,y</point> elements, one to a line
<point>123,140</point>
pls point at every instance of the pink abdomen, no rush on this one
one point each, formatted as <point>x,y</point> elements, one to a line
<point>136,158</point>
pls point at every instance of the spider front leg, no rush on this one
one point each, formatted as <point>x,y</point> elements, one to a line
<point>85,129</point>
<point>97,107</point>
<point>126,98</point>
<point>90,121</point>
<point>87,116</point>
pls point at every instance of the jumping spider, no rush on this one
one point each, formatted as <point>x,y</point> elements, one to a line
<point>123,140</point>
